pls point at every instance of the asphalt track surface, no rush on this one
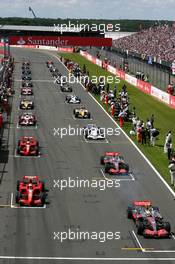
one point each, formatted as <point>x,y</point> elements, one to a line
<point>27,232</point>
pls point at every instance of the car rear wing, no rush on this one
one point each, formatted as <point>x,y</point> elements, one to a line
<point>142,203</point>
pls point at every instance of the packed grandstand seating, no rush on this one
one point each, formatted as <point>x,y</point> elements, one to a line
<point>157,41</point>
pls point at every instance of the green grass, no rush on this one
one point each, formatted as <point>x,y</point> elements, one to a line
<point>145,105</point>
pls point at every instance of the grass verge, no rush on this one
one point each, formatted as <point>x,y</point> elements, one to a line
<point>145,105</point>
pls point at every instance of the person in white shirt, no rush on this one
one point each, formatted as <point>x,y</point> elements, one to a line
<point>172,170</point>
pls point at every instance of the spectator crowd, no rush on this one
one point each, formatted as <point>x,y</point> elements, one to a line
<point>157,41</point>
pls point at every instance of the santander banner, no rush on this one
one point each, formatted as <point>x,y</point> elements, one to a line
<point>61,41</point>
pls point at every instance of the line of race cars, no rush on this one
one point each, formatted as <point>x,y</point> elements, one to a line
<point>31,191</point>
<point>147,218</point>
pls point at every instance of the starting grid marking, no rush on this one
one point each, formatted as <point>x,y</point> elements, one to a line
<point>26,96</point>
<point>98,141</point>
<point>83,119</point>
<point>117,178</point>
<point>46,81</point>
<point>21,156</point>
<point>23,207</point>
<point>12,205</point>
<point>145,250</point>
<point>86,259</point>
<point>26,127</point>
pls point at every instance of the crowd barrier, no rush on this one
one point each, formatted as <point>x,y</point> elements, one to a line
<point>145,87</point>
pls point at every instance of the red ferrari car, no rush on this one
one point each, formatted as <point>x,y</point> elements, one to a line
<point>31,192</point>
<point>26,91</point>
<point>110,156</point>
<point>28,146</point>
<point>148,220</point>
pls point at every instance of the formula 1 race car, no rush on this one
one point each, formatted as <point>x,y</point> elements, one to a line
<point>73,99</point>
<point>148,220</point>
<point>66,88</point>
<point>31,192</point>
<point>26,91</point>
<point>26,77</point>
<point>116,167</point>
<point>93,132</point>
<point>110,156</point>
<point>49,63</point>
<point>26,63</point>
<point>27,84</point>
<point>27,119</point>
<point>26,71</point>
<point>26,104</point>
<point>28,146</point>
<point>82,112</point>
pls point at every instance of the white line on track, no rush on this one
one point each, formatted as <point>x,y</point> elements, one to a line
<point>23,96</point>
<point>86,259</point>
<point>124,179</point>
<point>23,207</point>
<point>81,119</point>
<point>103,141</point>
<point>47,81</point>
<point>21,156</point>
<point>26,127</point>
<point>138,242</point>
<point>144,250</point>
<point>137,148</point>
<point>159,251</point>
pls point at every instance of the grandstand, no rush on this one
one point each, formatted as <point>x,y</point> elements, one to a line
<point>157,42</point>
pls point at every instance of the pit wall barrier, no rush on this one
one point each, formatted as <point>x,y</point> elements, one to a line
<point>145,87</point>
<point>60,49</point>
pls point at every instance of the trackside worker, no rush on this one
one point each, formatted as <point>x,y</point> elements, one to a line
<point>112,109</point>
<point>172,170</point>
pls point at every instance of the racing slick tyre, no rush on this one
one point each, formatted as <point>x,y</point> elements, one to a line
<point>43,199</point>
<point>17,186</point>
<point>155,208</point>
<point>108,167</point>
<point>167,227</point>
<point>89,116</point>
<point>129,212</point>
<point>76,115</point>
<point>37,152</point>
<point>18,151</point>
<point>17,197</point>
<point>43,187</point>
<point>86,135</point>
<point>102,160</point>
<point>124,166</point>
<point>140,228</point>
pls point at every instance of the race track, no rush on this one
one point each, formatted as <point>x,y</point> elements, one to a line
<point>29,232</point>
